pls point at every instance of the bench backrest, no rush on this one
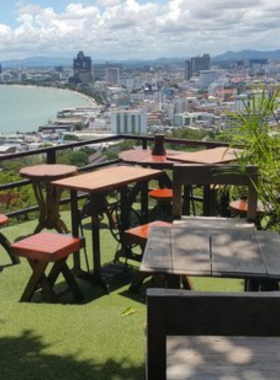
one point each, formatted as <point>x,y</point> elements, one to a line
<point>180,312</point>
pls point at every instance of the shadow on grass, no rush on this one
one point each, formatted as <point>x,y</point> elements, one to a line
<point>117,276</point>
<point>25,357</point>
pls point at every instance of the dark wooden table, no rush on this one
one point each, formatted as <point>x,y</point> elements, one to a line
<point>212,247</point>
<point>96,184</point>
<point>220,155</point>
<point>48,203</point>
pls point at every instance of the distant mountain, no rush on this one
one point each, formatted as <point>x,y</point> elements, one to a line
<point>37,62</point>
<point>44,62</point>
<point>247,54</point>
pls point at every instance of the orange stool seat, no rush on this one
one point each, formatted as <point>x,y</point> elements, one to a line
<point>241,206</point>
<point>3,219</point>
<point>140,234</point>
<point>161,195</point>
<point>4,241</point>
<point>42,249</point>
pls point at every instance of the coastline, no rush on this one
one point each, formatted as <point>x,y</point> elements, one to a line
<point>89,99</point>
<point>24,112</point>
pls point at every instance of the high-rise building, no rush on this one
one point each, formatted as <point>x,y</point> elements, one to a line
<point>199,63</point>
<point>207,77</point>
<point>0,68</point>
<point>133,121</point>
<point>112,75</point>
<point>187,70</point>
<point>82,68</point>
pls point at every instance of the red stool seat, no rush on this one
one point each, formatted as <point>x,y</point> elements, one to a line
<point>140,234</point>
<point>241,206</point>
<point>162,195</point>
<point>4,241</point>
<point>40,250</point>
<point>3,219</point>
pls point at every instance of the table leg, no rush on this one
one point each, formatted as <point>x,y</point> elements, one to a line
<point>95,277</point>
<point>38,192</point>
<point>48,208</point>
<point>75,221</point>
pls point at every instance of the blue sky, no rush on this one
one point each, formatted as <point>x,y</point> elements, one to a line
<point>125,29</point>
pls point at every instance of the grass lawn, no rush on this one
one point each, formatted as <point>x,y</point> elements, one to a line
<point>93,340</point>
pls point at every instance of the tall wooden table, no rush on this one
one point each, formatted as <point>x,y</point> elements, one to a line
<point>212,247</point>
<point>96,184</point>
<point>144,157</point>
<point>219,155</point>
<point>48,203</point>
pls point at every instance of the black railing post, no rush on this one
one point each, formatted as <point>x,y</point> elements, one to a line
<point>51,156</point>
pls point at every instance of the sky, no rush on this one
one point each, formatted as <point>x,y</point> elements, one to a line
<point>136,29</point>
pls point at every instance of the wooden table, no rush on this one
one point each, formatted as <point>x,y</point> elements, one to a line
<point>40,176</point>
<point>212,247</point>
<point>222,357</point>
<point>144,157</point>
<point>221,155</point>
<point>96,184</point>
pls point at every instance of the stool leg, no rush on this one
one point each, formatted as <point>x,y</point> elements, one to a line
<point>35,279</point>
<point>72,283</point>
<point>6,244</point>
<point>44,284</point>
<point>61,267</point>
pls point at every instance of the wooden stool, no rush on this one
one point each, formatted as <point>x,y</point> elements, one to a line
<point>240,206</point>
<point>40,250</point>
<point>5,242</point>
<point>139,235</point>
<point>164,200</point>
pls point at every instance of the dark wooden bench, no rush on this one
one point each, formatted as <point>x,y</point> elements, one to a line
<point>194,335</point>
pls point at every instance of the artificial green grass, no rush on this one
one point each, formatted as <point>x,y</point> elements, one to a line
<point>72,341</point>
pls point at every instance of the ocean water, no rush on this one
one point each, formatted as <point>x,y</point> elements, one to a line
<point>24,108</point>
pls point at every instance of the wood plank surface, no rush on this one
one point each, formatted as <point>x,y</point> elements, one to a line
<point>144,156</point>
<point>235,252</point>
<point>215,247</point>
<point>47,172</point>
<point>190,250</point>
<point>269,246</point>
<point>207,156</point>
<point>158,251</point>
<point>106,179</point>
<point>216,357</point>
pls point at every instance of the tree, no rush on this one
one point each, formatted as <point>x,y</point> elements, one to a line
<point>251,129</point>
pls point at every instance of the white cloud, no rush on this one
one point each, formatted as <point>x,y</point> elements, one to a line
<point>139,29</point>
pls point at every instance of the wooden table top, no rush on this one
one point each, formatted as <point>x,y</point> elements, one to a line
<point>220,155</point>
<point>212,247</point>
<point>144,156</point>
<point>222,357</point>
<point>47,172</point>
<point>106,179</point>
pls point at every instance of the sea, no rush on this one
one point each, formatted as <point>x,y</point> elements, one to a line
<point>24,108</point>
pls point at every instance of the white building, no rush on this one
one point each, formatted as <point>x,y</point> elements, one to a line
<point>133,121</point>
<point>207,77</point>
<point>112,75</point>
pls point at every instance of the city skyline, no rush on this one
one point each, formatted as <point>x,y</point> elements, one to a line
<point>136,29</point>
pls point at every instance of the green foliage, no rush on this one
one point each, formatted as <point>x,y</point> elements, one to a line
<point>76,157</point>
<point>186,134</point>
<point>70,138</point>
<point>251,129</point>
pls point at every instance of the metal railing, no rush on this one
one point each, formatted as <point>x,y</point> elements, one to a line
<point>50,154</point>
